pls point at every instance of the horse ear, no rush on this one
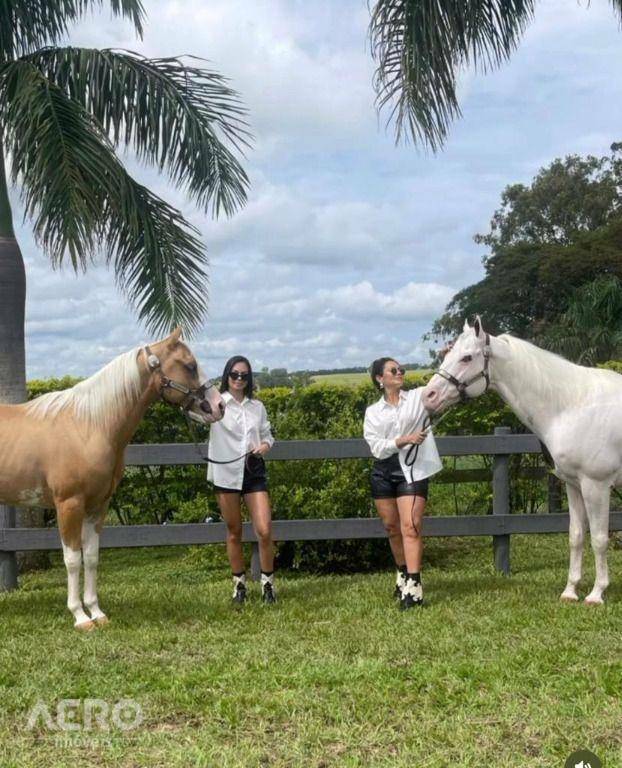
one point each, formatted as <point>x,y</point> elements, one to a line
<point>466,326</point>
<point>173,339</point>
<point>477,325</point>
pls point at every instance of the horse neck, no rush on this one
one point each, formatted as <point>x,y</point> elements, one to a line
<point>122,429</point>
<point>121,426</point>
<point>532,382</point>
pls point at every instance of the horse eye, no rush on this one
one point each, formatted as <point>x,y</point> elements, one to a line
<point>467,359</point>
<point>192,367</point>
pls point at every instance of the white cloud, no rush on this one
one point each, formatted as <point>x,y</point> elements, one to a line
<point>349,247</point>
<point>409,302</point>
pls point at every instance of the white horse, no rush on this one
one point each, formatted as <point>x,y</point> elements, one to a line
<point>575,411</point>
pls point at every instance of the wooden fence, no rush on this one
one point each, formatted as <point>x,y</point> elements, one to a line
<point>500,524</point>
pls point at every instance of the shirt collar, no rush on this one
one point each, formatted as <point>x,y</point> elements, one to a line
<point>383,403</point>
<point>228,397</point>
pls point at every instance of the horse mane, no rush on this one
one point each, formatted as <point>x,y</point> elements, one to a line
<point>562,382</point>
<point>98,400</point>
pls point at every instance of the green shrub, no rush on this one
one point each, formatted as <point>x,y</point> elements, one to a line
<point>612,365</point>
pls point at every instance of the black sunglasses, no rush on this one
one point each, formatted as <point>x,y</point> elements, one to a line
<point>395,371</point>
<point>238,376</point>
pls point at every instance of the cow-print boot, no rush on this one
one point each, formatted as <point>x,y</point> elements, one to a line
<point>239,588</point>
<point>268,594</point>
<point>400,582</point>
<point>412,593</point>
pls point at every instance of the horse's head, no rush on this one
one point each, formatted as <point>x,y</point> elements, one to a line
<point>464,371</point>
<point>181,381</point>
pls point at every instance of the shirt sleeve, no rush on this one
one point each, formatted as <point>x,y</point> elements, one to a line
<point>380,447</point>
<point>265,430</point>
<point>416,412</point>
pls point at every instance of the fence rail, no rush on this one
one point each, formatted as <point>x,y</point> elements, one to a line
<point>500,525</point>
<point>296,450</point>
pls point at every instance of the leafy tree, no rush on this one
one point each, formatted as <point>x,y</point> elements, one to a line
<point>569,196</point>
<point>420,46</point>
<point>590,330</point>
<point>545,240</point>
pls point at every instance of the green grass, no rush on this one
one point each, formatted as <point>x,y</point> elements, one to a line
<point>493,672</point>
<point>354,379</point>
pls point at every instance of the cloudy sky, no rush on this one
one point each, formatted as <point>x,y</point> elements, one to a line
<point>349,246</point>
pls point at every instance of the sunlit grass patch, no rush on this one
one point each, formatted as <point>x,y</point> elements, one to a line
<point>493,671</point>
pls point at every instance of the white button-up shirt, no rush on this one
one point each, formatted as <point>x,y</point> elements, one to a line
<point>384,422</point>
<point>243,427</point>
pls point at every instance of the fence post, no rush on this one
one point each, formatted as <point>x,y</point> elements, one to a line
<point>8,560</point>
<point>255,564</point>
<point>555,494</point>
<point>501,504</point>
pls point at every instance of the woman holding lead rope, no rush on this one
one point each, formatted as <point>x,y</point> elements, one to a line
<point>244,432</point>
<point>406,456</point>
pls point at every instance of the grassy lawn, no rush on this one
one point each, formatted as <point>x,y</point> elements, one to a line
<point>493,672</point>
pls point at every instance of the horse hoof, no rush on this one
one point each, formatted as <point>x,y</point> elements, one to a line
<point>86,626</point>
<point>592,601</point>
<point>101,621</point>
<point>569,599</point>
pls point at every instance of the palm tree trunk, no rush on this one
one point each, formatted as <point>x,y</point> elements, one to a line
<point>13,368</point>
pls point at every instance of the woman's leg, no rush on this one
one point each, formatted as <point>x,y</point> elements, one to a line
<point>411,509</point>
<point>258,504</point>
<point>229,504</point>
<point>388,513</point>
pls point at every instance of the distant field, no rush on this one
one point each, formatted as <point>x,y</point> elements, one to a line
<point>353,379</point>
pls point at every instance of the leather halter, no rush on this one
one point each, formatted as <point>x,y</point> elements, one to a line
<point>192,396</point>
<point>462,386</point>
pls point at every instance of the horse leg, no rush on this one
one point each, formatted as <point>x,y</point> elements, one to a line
<point>596,498</point>
<point>576,535</point>
<point>90,551</point>
<point>70,517</point>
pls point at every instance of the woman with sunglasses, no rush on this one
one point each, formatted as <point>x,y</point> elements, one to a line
<point>406,456</point>
<point>243,433</point>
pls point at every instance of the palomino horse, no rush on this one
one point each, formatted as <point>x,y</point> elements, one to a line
<point>575,411</point>
<point>66,449</point>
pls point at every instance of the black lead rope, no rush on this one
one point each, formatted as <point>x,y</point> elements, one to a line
<point>413,451</point>
<point>411,458</point>
<point>207,459</point>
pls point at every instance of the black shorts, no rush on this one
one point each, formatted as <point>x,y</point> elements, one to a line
<point>254,477</point>
<point>388,481</point>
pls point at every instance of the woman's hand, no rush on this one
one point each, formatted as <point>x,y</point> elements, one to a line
<point>261,449</point>
<point>414,438</point>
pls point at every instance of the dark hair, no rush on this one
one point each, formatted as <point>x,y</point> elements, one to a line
<point>377,369</point>
<point>224,382</point>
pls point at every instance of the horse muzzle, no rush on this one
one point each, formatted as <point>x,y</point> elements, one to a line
<point>206,413</point>
<point>437,396</point>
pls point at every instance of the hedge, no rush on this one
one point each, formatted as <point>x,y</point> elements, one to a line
<point>312,489</point>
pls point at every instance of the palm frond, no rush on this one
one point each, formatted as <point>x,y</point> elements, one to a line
<point>83,201</point>
<point>420,47</point>
<point>29,24</point>
<point>175,116</point>
<point>58,164</point>
<point>158,259</point>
